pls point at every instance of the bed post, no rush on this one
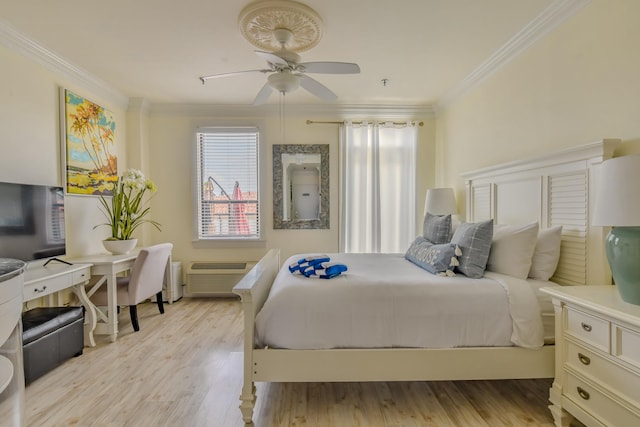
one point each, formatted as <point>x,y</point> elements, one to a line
<point>248,394</point>
<point>253,290</point>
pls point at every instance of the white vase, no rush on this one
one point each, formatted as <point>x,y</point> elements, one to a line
<point>119,247</point>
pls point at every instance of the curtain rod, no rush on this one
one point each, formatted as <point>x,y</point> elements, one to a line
<point>315,122</point>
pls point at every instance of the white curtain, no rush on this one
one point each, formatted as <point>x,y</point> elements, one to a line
<point>377,197</point>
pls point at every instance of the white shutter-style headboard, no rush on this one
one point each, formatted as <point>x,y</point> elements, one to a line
<point>554,189</point>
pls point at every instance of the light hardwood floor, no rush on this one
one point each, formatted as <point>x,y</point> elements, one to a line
<point>184,369</point>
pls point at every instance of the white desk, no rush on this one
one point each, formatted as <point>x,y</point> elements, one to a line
<point>40,281</point>
<point>106,267</point>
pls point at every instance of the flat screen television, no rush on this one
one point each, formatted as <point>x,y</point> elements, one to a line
<point>31,221</point>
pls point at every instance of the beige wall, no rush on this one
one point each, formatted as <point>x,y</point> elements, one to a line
<point>579,84</point>
<point>171,151</point>
<point>161,142</point>
<point>30,141</point>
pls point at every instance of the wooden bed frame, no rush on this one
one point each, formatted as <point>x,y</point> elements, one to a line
<point>554,189</point>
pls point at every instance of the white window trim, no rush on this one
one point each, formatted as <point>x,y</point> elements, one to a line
<point>216,242</point>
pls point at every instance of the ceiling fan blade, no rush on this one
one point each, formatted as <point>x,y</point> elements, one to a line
<point>203,79</point>
<point>263,95</point>
<point>329,67</point>
<point>272,58</point>
<point>317,88</point>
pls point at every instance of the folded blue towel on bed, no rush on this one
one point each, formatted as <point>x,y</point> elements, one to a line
<point>317,267</point>
<point>324,269</point>
<point>314,259</point>
<point>303,263</point>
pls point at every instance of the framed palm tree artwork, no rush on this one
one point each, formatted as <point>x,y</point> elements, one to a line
<point>90,163</point>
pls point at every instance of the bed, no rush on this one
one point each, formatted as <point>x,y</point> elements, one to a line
<point>553,191</point>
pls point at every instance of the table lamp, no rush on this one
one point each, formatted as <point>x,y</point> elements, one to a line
<point>617,204</point>
<point>440,201</point>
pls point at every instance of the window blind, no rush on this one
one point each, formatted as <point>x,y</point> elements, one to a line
<point>227,183</point>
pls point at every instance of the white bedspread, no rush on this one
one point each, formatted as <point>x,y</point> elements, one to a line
<point>384,300</point>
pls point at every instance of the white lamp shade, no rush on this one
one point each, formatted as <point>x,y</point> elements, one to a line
<point>617,200</point>
<point>284,82</point>
<point>440,201</point>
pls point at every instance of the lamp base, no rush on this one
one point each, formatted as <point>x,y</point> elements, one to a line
<point>623,253</point>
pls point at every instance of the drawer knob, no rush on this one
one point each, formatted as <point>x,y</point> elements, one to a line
<point>583,393</point>
<point>584,359</point>
<point>586,326</point>
<point>39,291</point>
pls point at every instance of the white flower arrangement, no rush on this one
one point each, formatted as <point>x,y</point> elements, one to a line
<point>127,210</point>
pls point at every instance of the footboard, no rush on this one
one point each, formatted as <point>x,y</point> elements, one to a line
<point>253,289</point>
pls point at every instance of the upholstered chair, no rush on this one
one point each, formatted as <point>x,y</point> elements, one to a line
<point>146,279</point>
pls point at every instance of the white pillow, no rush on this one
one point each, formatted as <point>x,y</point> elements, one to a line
<point>546,254</point>
<point>512,249</point>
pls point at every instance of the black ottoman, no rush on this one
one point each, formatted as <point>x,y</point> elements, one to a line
<point>50,335</point>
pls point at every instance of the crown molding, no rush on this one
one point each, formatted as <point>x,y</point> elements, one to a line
<point>29,48</point>
<point>335,111</point>
<point>549,19</point>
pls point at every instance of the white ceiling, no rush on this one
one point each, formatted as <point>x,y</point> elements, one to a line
<point>157,49</point>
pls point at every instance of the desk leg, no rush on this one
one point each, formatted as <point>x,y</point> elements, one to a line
<point>89,312</point>
<point>112,306</point>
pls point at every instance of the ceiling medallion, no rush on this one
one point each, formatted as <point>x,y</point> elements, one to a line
<point>259,20</point>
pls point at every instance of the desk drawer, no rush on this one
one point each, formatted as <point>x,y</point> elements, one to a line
<point>594,402</point>
<point>81,276</point>
<point>588,328</point>
<point>46,287</point>
<point>611,376</point>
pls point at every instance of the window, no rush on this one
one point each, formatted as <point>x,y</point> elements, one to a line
<point>227,183</point>
<point>378,187</point>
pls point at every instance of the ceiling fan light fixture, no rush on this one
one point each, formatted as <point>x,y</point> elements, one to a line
<point>284,82</point>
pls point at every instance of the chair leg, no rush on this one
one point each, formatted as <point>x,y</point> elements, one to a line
<point>159,301</point>
<point>133,311</point>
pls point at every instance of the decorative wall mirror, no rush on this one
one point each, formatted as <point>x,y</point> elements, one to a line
<point>300,186</point>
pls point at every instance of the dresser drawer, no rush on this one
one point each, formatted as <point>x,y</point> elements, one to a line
<point>619,380</point>
<point>594,402</point>
<point>588,328</point>
<point>626,345</point>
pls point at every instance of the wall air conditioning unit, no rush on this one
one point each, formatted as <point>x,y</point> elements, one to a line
<point>215,279</point>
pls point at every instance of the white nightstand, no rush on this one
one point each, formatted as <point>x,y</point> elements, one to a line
<point>597,367</point>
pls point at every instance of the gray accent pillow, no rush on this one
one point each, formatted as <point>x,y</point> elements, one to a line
<point>436,228</point>
<point>436,259</point>
<point>474,239</point>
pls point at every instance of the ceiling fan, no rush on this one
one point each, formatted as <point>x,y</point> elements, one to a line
<point>288,73</point>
